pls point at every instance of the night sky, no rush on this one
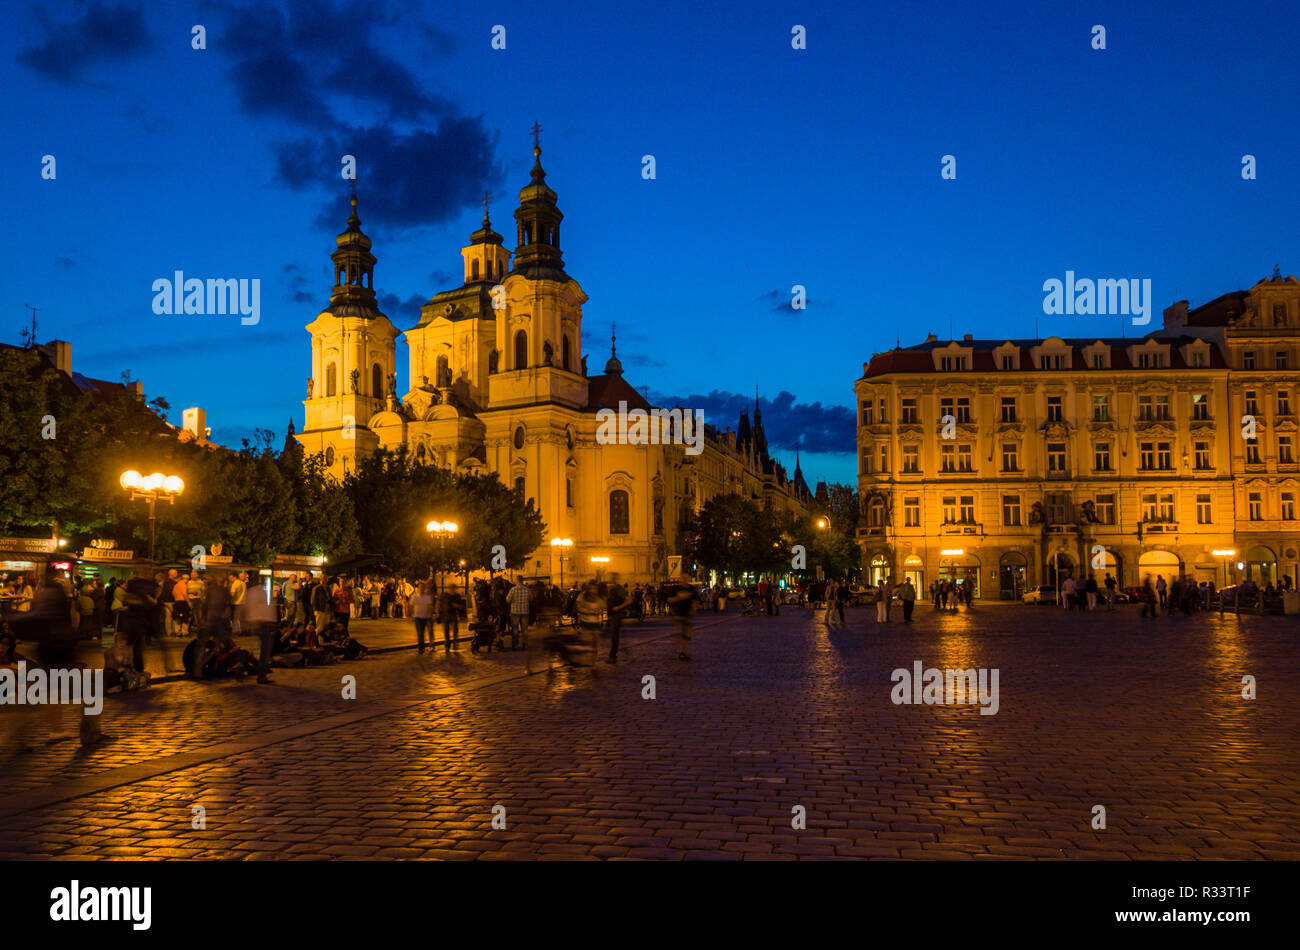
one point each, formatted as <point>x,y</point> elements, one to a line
<point>775,167</point>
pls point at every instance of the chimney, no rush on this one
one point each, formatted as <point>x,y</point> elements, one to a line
<point>966,338</point>
<point>194,421</point>
<point>1176,316</point>
<point>61,352</point>
<point>931,339</point>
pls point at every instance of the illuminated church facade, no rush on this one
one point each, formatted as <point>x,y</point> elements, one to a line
<point>497,387</point>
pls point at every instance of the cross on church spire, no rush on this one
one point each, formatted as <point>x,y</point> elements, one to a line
<point>487,198</point>
<point>537,136</point>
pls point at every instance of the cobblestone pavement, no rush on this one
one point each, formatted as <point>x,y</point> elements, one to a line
<point>1145,718</point>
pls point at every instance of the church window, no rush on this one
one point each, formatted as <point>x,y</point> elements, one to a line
<point>376,381</point>
<point>329,455</point>
<point>618,512</point>
<point>521,349</point>
<point>568,492</point>
<point>444,373</point>
<point>564,352</point>
<point>331,380</point>
<point>519,437</point>
<point>494,361</point>
<point>473,270</point>
<point>519,486</point>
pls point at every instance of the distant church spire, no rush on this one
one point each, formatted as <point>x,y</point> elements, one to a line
<point>537,254</point>
<point>354,270</point>
<point>613,367</point>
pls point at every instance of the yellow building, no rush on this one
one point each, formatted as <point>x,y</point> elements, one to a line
<point>498,387</point>
<point>1000,462</point>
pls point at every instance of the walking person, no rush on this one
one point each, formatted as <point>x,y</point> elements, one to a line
<point>140,598</point>
<point>1110,584</point>
<point>238,587</point>
<point>449,604</point>
<point>519,599</point>
<point>1148,599</point>
<point>168,604</point>
<point>617,602</point>
<point>1161,589</point>
<point>422,614</point>
<point>908,594</point>
<point>682,603</point>
<point>319,599</point>
<point>828,611</point>
<point>258,616</point>
<point>1067,593</point>
<point>885,591</point>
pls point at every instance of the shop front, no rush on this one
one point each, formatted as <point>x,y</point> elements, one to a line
<point>955,564</point>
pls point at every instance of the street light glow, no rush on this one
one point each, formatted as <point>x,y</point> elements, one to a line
<point>561,542</point>
<point>953,552</point>
<point>1227,552</point>
<point>130,479</point>
<point>599,560</point>
<point>437,527</point>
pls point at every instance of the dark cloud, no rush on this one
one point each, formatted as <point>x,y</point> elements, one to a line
<point>404,179</point>
<point>440,41</point>
<point>299,64</point>
<point>783,303</point>
<point>239,340</point>
<point>65,263</point>
<point>811,426</point>
<point>637,359</point>
<point>104,33</point>
<point>299,288</point>
<point>402,312</point>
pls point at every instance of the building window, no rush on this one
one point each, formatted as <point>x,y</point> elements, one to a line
<point>1200,406</point>
<point>1147,456</point>
<point>1252,402</point>
<point>1167,509</point>
<point>882,415</point>
<point>963,409</point>
<point>329,455</point>
<point>1164,456</point>
<point>965,459</point>
<point>967,509</point>
<point>1098,360</point>
<point>1288,506</point>
<point>1198,360</point>
<point>1104,508</point>
<point>1252,452</point>
<point>946,408</point>
<point>1100,408</point>
<point>1279,314</point>
<point>876,513</point>
<point>1202,455</point>
<point>949,509</point>
<point>1284,455</point>
<point>519,487</point>
<point>376,381</point>
<point>912,512</point>
<point>1255,505</point>
<point>1162,408</point>
<point>568,491</point>
<point>1058,506</point>
<point>1146,411</point>
<point>948,459</point>
<point>1056,456</point>
<point>950,363</point>
<point>1281,360</point>
<point>1101,456</point>
<point>1248,359</point>
<point>884,459</point>
<point>911,459</point>
<point>1010,463</point>
<point>521,349</point>
<point>564,352</point>
<point>1284,402</point>
<point>1054,409</point>
<point>519,437</point>
<point>618,513</point>
<point>1202,509</point>
<point>1149,506</point>
<point>1055,361</point>
<point>868,412</point>
<point>331,380</point>
<point>1011,510</point>
<point>1008,361</point>
<point>868,459</point>
<point>909,413</point>
<point>1008,408</point>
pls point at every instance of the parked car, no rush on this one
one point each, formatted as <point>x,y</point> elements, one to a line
<point>1043,594</point>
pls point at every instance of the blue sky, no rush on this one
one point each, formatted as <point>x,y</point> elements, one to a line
<point>775,167</point>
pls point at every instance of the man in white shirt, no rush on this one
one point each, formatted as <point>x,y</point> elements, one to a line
<point>1067,592</point>
<point>422,614</point>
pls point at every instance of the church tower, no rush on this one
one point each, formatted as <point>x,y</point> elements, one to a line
<point>353,357</point>
<point>539,333</point>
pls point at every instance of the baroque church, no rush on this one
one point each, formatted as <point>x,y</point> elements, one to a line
<point>498,387</point>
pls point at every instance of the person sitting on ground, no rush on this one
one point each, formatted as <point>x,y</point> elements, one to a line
<point>119,667</point>
<point>336,641</point>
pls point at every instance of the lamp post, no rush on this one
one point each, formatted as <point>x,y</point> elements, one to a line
<point>560,544</point>
<point>442,529</point>
<point>151,488</point>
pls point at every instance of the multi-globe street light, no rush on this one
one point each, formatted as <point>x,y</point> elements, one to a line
<point>151,488</point>
<point>561,544</point>
<point>442,530</point>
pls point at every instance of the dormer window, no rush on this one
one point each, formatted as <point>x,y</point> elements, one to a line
<point>1007,362</point>
<point>952,363</point>
<point>1248,359</point>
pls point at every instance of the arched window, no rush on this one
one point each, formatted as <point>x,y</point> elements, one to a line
<point>376,381</point>
<point>494,362</point>
<point>331,380</point>
<point>329,455</point>
<point>473,269</point>
<point>618,514</point>
<point>564,352</point>
<point>521,349</point>
<point>519,486</point>
<point>444,373</point>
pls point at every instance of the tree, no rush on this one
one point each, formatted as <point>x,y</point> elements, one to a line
<point>395,497</point>
<point>733,535</point>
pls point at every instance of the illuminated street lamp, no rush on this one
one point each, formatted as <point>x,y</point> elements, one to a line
<point>823,523</point>
<point>151,488</point>
<point>442,529</point>
<point>561,544</point>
